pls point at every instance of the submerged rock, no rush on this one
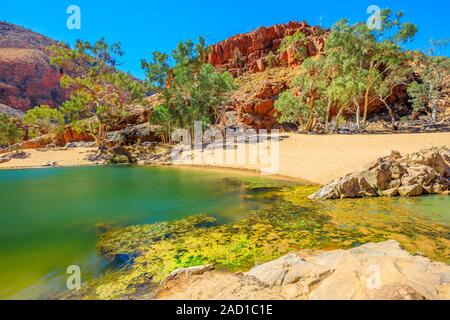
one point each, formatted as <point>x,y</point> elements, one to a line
<point>373,271</point>
<point>123,259</point>
<point>424,172</point>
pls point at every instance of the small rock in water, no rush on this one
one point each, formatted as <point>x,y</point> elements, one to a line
<point>124,260</point>
<point>411,191</point>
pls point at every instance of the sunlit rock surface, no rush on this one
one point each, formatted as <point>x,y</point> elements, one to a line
<point>372,271</point>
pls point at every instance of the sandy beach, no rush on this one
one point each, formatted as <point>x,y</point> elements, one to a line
<point>323,158</point>
<point>316,158</point>
<point>64,158</point>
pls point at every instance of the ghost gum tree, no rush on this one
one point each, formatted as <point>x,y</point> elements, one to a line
<point>424,94</point>
<point>308,99</point>
<point>98,92</point>
<point>359,65</point>
<point>190,90</point>
<point>374,58</point>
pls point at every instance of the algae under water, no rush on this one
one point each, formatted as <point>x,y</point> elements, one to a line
<point>168,218</point>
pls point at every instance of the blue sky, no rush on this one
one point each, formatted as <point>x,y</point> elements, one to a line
<point>144,26</point>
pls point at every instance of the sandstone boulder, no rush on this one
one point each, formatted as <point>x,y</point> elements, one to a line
<point>424,172</point>
<point>133,134</point>
<point>411,190</point>
<point>372,271</point>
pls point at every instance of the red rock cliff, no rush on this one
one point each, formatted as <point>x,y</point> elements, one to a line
<point>26,77</point>
<point>249,51</point>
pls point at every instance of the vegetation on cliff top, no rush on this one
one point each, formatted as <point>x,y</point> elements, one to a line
<point>358,66</point>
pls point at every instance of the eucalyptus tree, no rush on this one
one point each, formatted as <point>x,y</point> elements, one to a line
<point>307,99</point>
<point>424,94</point>
<point>369,54</point>
<point>98,92</point>
<point>190,89</point>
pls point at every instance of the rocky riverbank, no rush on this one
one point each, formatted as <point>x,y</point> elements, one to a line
<point>423,172</point>
<point>373,271</point>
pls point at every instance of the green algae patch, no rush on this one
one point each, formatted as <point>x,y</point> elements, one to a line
<point>130,240</point>
<point>291,223</point>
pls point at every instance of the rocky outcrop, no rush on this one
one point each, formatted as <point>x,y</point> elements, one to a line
<point>252,56</point>
<point>26,77</point>
<point>13,155</point>
<point>372,271</point>
<point>424,172</point>
<point>253,104</point>
<point>133,134</point>
<point>13,36</point>
<point>70,135</point>
<point>4,109</point>
<point>250,52</point>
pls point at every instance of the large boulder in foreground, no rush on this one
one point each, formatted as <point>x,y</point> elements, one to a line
<point>423,172</point>
<point>372,271</point>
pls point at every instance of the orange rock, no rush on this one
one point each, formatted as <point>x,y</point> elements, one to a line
<point>71,135</point>
<point>248,52</point>
<point>26,77</point>
<point>264,107</point>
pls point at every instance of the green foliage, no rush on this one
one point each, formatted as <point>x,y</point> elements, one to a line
<point>419,96</point>
<point>295,43</point>
<point>98,91</point>
<point>44,120</point>
<point>10,133</point>
<point>291,108</point>
<point>156,71</point>
<point>424,94</point>
<point>195,91</point>
<point>271,59</point>
<point>308,98</point>
<point>374,59</point>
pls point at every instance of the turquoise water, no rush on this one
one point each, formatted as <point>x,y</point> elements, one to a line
<point>51,218</point>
